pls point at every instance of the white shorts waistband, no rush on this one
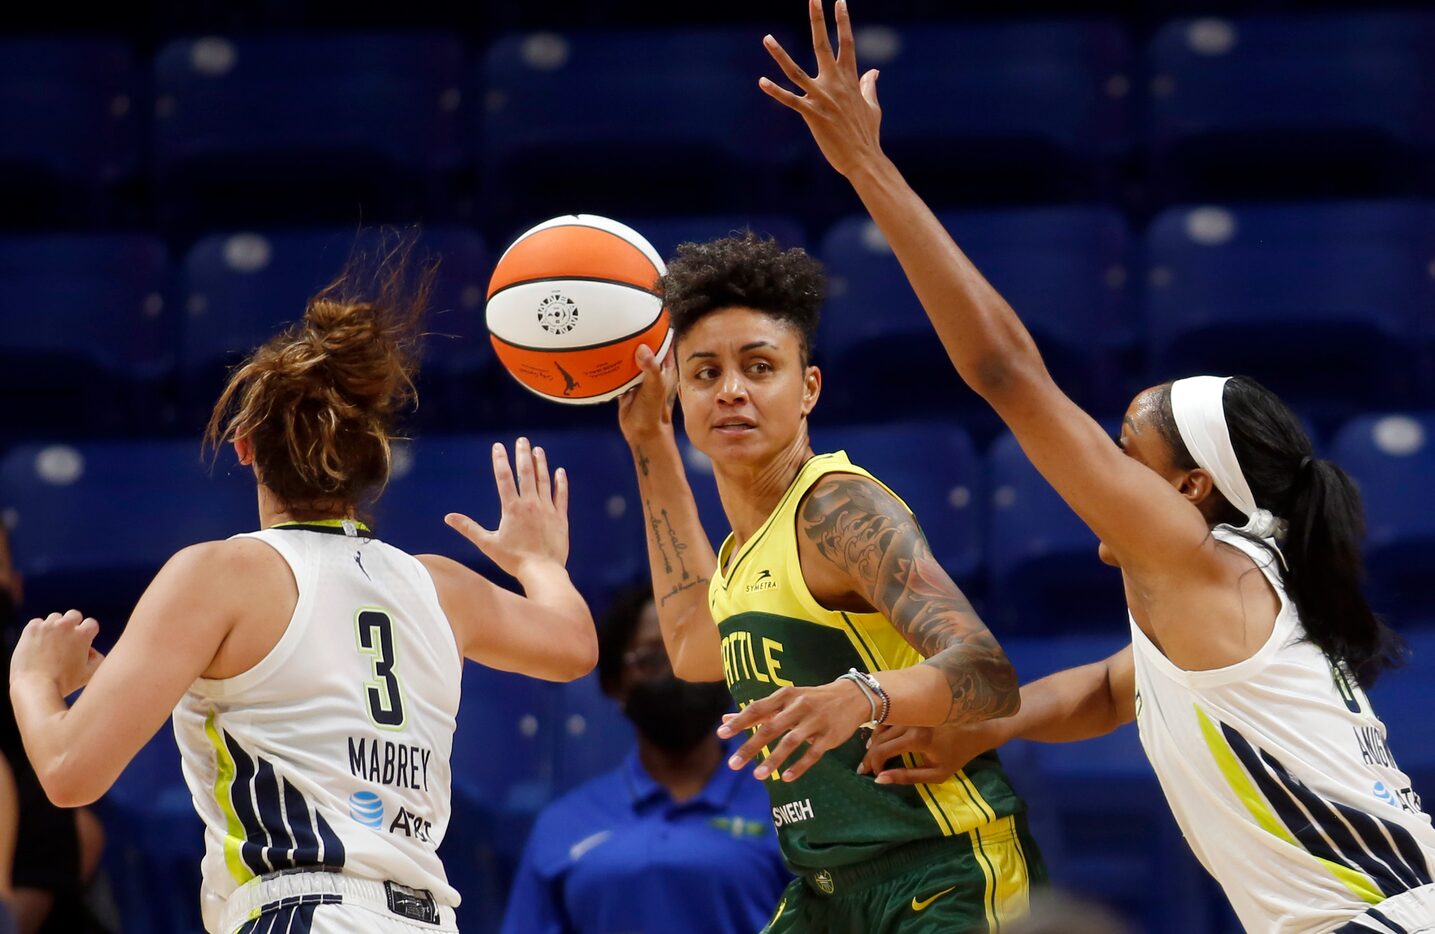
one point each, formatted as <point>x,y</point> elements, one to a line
<point>1411,912</point>
<point>417,907</point>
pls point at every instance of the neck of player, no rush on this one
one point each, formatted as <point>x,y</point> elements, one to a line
<point>272,512</point>
<point>750,491</point>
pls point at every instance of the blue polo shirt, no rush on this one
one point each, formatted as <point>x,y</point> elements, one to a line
<point>618,856</point>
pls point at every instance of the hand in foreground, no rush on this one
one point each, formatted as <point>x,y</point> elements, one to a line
<point>646,410</point>
<point>533,526</point>
<point>825,717</point>
<point>942,751</point>
<point>840,108</point>
<point>59,649</point>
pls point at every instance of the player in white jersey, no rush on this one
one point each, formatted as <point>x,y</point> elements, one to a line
<point>1240,554</point>
<point>313,670</point>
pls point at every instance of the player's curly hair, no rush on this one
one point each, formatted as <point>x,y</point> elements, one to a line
<point>748,271</point>
<point>319,400</point>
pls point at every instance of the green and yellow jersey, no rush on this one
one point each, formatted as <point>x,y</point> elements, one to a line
<point>776,634</point>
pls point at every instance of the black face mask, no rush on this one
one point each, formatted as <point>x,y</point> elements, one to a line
<point>674,714</point>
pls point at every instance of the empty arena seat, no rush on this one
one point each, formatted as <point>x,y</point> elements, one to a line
<point>1064,271</point>
<point>620,123</point>
<point>1014,111</point>
<point>306,127</point>
<point>935,469</point>
<point>1401,699</point>
<point>240,288</point>
<point>71,124</point>
<point>1321,104</point>
<point>592,733</point>
<point>439,474</point>
<point>1391,457</point>
<point>1292,294</point>
<point>665,233</point>
<point>86,336</point>
<point>1044,575</point>
<point>92,522</point>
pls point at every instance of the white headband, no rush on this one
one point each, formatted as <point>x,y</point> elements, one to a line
<point>1200,415</point>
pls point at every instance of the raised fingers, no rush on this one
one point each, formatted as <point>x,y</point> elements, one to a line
<point>503,476</point>
<point>540,475</point>
<point>560,492</point>
<point>846,46</point>
<point>776,760</point>
<point>797,769</point>
<point>820,43</point>
<point>523,462</point>
<point>794,72</point>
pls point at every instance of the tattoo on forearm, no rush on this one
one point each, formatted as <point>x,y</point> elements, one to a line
<point>685,585</point>
<point>678,545</point>
<point>656,525</point>
<point>868,534</point>
<point>642,461</point>
<point>666,538</point>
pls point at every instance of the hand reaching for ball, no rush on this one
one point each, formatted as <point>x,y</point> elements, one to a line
<point>646,411</point>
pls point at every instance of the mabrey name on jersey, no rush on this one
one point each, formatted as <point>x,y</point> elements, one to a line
<point>388,763</point>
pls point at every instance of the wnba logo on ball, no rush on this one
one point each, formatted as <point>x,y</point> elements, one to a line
<point>367,808</point>
<point>558,314</point>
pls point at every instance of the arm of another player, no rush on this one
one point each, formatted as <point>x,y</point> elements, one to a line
<point>1149,526</point>
<point>680,556</point>
<point>866,544</point>
<point>173,636</point>
<point>1065,707</point>
<point>546,632</point>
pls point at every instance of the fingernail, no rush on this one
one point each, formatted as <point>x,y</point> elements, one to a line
<point>883,779</point>
<point>768,40</point>
<point>497,446</point>
<point>735,762</point>
<point>761,772</point>
<point>561,473</point>
<point>725,731</point>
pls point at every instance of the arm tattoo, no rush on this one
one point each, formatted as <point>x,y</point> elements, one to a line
<point>665,537</point>
<point>867,534</point>
<point>642,461</point>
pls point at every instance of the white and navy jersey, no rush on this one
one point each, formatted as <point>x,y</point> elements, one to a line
<point>1278,772</point>
<point>333,751</point>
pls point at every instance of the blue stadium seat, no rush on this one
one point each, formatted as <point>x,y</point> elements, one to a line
<point>240,288</point>
<point>502,776</point>
<point>1323,105</point>
<point>1064,270</point>
<point>1044,575</point>
<point>1402,700</point>
<point>619,122</point>
<point>665,233</point>
<point>71,129</point>
<point>1290,294</point>
<point>935,469</point>
<point>1015,111</point>
<point>91,523</point>
<point>439,474</point>
<point>1392,458</point>
<point>86,336</point>
<point>154,840</point>
<point>306,127</point>
<point>593,735</point>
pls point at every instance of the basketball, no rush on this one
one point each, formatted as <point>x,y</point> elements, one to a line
<point>569,303</point>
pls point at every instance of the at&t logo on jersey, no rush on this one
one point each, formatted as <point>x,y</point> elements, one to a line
<point>367,808</point>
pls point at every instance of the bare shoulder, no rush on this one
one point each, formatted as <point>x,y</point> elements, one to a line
<point>235,566</point>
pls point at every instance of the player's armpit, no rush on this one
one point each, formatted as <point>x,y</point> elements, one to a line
<point>875,543</point>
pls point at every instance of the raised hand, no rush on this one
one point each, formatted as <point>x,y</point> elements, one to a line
<point>533,526</point>
<point>824,717</point>
<point>840,108</point>
<point>646,410</point>
<point>58,648</point>
<point>943,751</point>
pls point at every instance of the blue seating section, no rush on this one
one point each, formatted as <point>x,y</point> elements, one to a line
<point>1155,197</point>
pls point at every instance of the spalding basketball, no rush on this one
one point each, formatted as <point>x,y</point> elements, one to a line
<point>569,303</point>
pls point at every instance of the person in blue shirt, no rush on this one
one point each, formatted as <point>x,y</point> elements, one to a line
<point>669,840</point>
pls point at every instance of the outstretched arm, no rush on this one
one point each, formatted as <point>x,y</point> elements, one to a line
<point>1065,707</point>
<point>1145,522</point>
<point>680,556</point>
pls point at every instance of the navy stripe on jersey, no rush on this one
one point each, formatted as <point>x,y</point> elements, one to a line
<point>1372,920</point>
<point>294,915</point>
<point>1283,803</point>
<point>278,833</point>
<point>1412,872</point>
<point>241,797</point>
<point>280,851</point>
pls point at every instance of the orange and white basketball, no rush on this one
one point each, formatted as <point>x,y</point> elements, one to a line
<point>569,303</point>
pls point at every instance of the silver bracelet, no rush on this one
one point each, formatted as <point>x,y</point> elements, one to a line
<point>875,688</point>
<point>856,678</point>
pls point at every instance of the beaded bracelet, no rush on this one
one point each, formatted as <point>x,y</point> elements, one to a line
<point>872,685</point>
<point>856,679</point>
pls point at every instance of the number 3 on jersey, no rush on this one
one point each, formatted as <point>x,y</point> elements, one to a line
<point>375,629</point>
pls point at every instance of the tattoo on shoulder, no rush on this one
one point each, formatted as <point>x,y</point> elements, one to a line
<point>864,531</point>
